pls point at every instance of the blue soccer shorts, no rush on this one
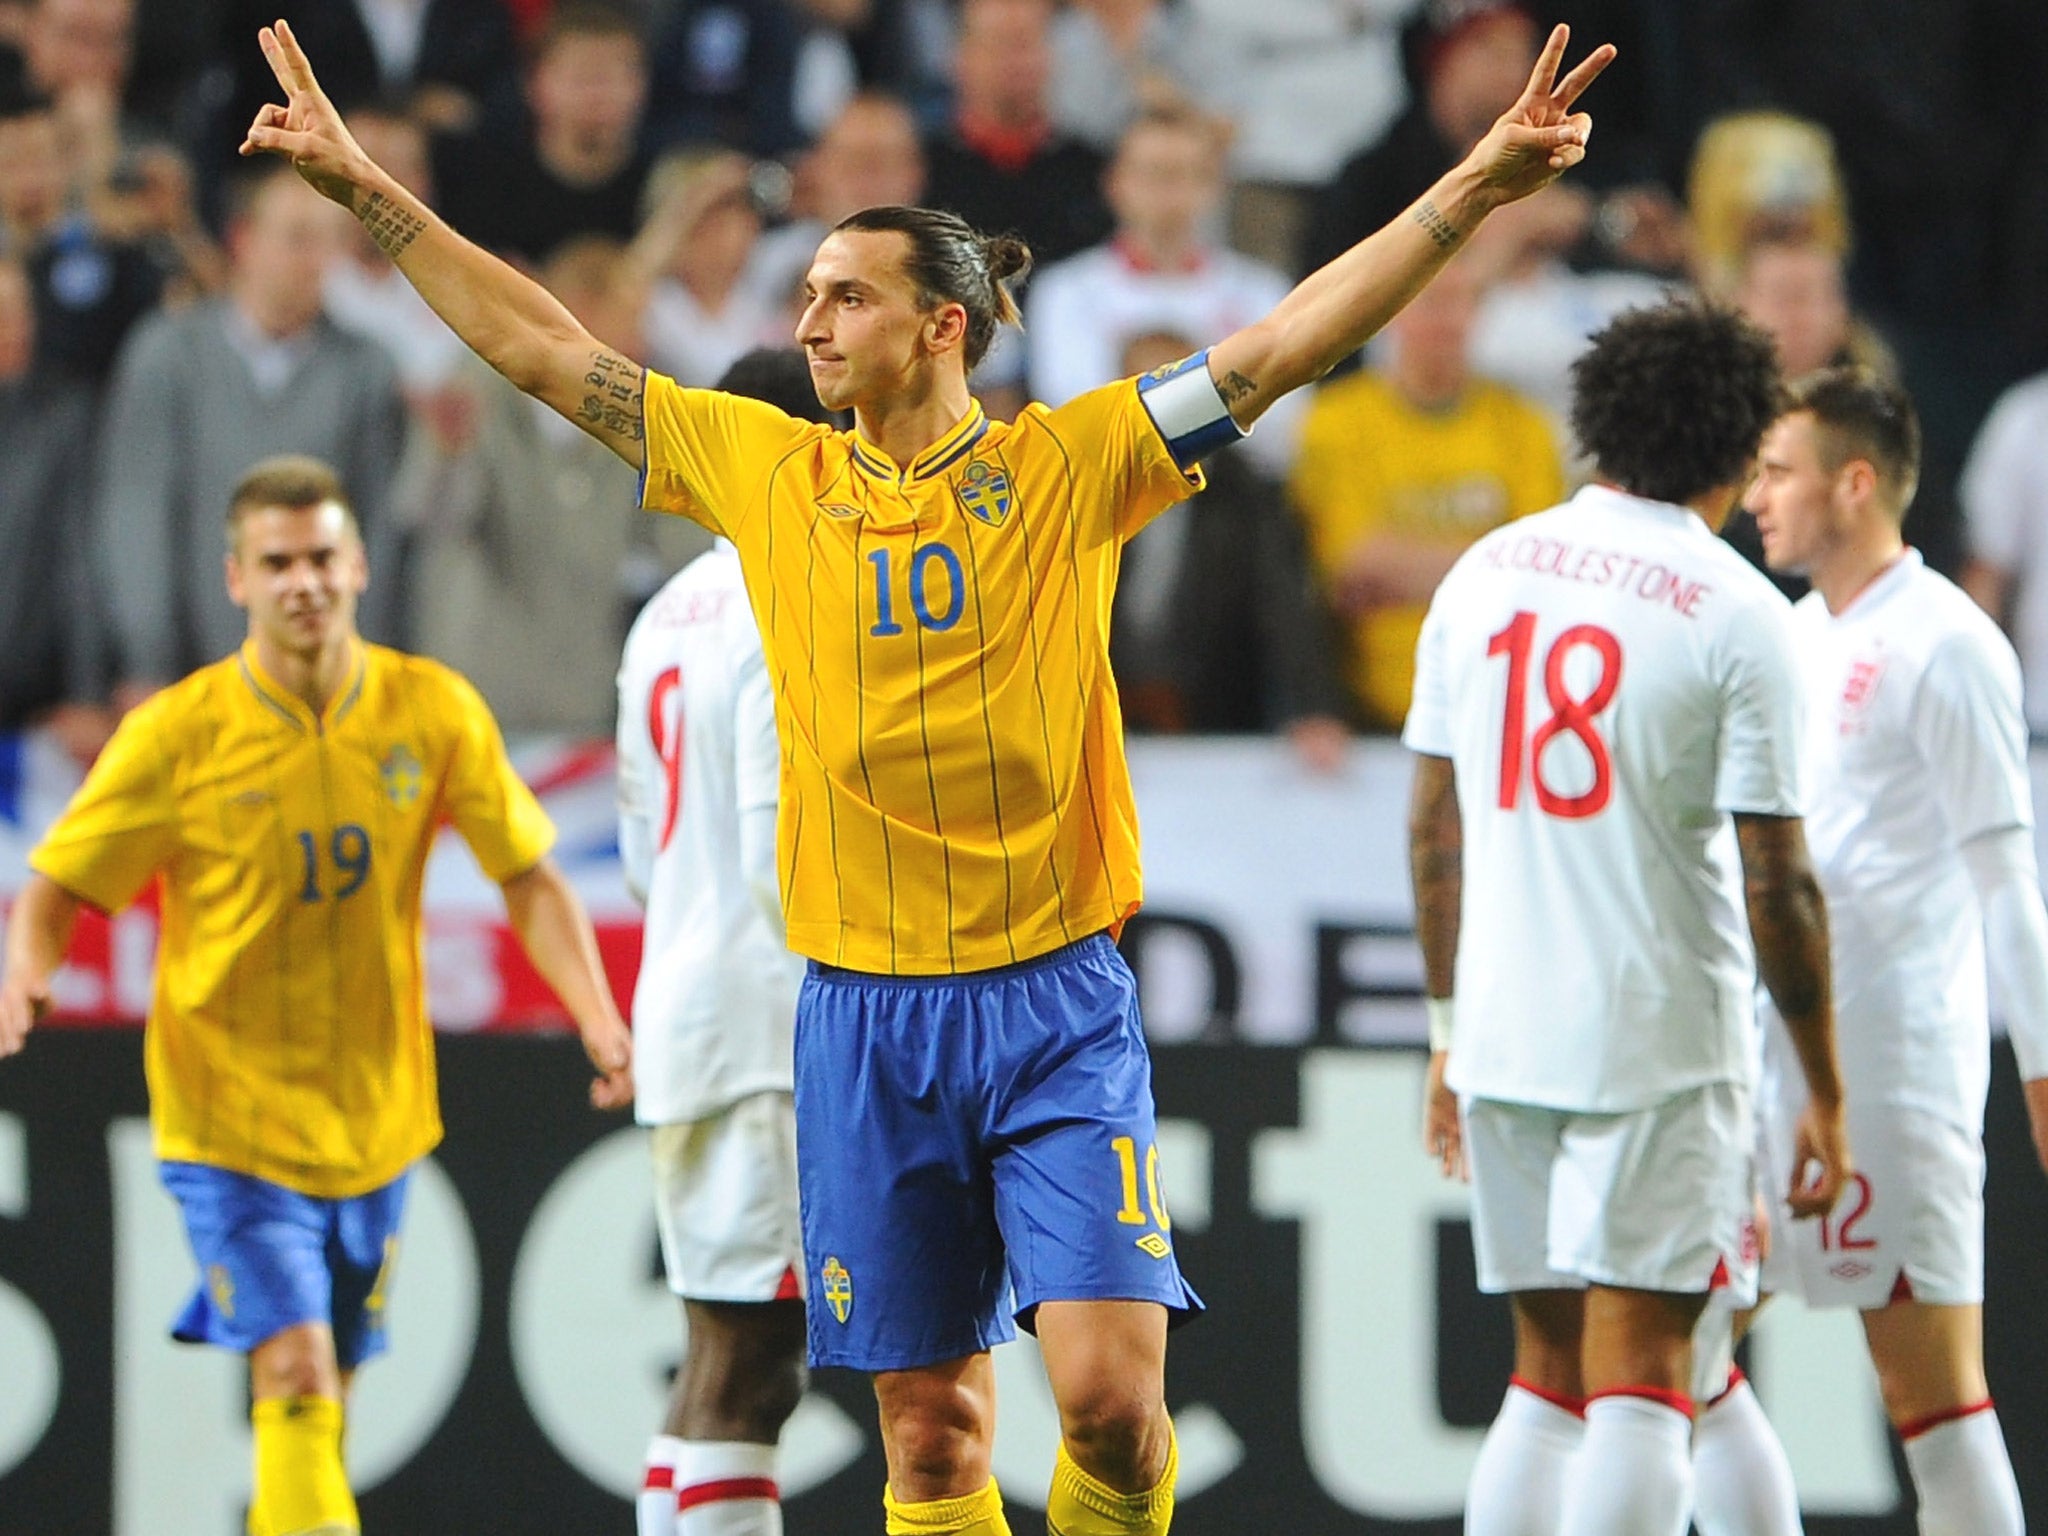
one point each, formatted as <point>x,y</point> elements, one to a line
<point>969,1146</point>
<point>271,1258</point>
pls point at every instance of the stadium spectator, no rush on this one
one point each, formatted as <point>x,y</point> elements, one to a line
<point>90,287</point>
<point>1758,176</point>
<point>202,393</point>
<point>1307,82</point>
<point>1538,312</point>
<point>724,72</point>
<point>364,292</point>
<point>1217,626</point>
<point>281,804</point>
<point>1402,468</point>
<point>1001,164</point>
<point>1114,58</point>
<point>2005,520</point>
<point>711,302</point>
<point>1161,270</point>
<point>75,55</point>
<point>577,168</point>
<point>447,60</point>
<point>526,555</point>
<point>869,156</point>
<point>1469,59</point>
<point>52,643</point>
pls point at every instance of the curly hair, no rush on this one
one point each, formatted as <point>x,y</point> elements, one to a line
<point>1671,401</point>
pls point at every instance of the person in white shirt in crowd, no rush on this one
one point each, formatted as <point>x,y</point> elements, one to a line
<point>1110,57</point>
<point>1606,723</point>
<point>1538,313</point>
<point>710,302</point>
<point>713,1023</point>
<point>1922,825</point>
<point>365,293</point>
<point>2004,493</point>
<point>1164,269</point>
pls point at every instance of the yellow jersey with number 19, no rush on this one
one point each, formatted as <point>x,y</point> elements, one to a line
<point>954,789</point>
<point>288,1034</point>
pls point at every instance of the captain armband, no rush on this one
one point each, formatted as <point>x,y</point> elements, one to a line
<point>1188,409</point>
<point>1442,1013</point>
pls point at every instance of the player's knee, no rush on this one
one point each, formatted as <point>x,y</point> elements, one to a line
<point>1115,1433</point>
<point>939,1431</point>
<point>298,1362</point>
<point>758,1402</point>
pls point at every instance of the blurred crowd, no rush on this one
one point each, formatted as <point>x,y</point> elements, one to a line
<point>1864,178</point>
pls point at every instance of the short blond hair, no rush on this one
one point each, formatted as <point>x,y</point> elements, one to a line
<point>289,480</point>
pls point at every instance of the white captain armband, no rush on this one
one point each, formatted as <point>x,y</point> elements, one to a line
<point>1443,1014</point>
<point>1188,409</point>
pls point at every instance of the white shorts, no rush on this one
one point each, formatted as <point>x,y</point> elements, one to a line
<point>1655,1200</point>
<point>1910,1224</point>
<point>725,1203</point>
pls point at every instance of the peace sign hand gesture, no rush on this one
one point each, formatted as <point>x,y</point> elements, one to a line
<point>306,130</point>
<point>1539,138</point>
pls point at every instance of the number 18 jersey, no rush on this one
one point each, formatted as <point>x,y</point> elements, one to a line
<point>1610,682</point>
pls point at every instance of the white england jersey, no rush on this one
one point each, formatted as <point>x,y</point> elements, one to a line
<point>1915,744</point>
<point>714,1009</point>
<point>1610,681</point>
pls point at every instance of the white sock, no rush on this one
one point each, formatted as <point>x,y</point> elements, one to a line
<point>1518,1481</point>
<point>727,1488</point>
<point>1633,1473</point>
<point>654,1512</point>
<point>1964,1478</point>
<point>1742,1483</point>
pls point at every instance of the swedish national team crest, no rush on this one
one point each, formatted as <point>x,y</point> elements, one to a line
<point>838,1289</point>
<point>984,491</point>
<point>403,775</point>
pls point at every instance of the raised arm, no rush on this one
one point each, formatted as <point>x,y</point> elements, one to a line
<point>508,319</point>
<point>1789,922</point>
<point>1332,312</point>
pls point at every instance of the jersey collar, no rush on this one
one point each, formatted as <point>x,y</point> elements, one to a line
<point>290,708</point>
<point>938,458</point>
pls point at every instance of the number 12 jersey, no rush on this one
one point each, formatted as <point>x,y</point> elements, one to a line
<point>1611,682</point>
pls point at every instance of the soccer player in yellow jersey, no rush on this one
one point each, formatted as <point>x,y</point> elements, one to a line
<point>285,800</point>
<point>957,838</point>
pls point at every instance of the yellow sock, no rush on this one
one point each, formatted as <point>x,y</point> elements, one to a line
<point>978,1514</point>
<point>301,1486</point>
<point>1080,1505</point>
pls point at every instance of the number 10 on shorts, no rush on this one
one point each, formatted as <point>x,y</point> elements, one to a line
<point>1126,1150</point>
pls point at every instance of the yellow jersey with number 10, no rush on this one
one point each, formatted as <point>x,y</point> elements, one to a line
<point>954,789</point>
<point>288,1034</point>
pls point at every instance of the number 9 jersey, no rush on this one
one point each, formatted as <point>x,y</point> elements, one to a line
<point>1611,682</point>
<point>288,1036</point>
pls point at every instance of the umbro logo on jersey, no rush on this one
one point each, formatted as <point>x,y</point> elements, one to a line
<point>1849,1269</point>
<point>252,798</point>
<point>984,492</point>
<point>838,1288</point>
<point>838,509</point>
<point>1155,1245</point>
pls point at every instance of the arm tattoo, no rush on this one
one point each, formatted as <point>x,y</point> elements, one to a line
<point>389,224</point>
<point>1441,230</point>
<point>615,386</point>
<point>1235,387</point>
